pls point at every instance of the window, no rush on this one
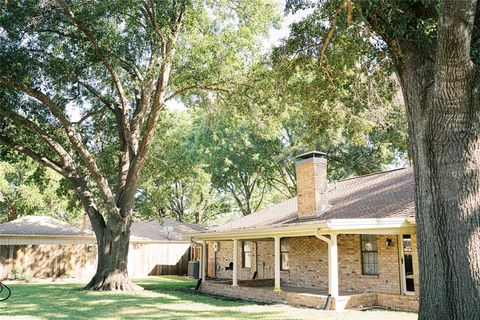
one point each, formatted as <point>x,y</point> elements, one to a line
<point>196,253</point>
<point>284,261</point>
<point>246,257</point>
<point>369,254</point>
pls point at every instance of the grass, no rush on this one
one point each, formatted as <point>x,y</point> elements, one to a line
<point>166,297</point>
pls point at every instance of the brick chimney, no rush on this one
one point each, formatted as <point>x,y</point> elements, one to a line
<point>311,168</point>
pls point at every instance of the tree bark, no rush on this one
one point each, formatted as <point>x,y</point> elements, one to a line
<point>445,140</point>
<point>441,85</point>
<point>444,129</point>
<point>112,263</point>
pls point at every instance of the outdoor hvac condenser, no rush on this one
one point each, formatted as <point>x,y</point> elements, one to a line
<point>194,269</point>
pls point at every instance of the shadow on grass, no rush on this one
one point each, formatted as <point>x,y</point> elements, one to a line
<point>163,298</point>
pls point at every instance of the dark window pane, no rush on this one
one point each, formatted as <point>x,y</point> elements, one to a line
<point>369,254</point>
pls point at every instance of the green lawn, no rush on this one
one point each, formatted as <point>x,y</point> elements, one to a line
<point>164,298</point>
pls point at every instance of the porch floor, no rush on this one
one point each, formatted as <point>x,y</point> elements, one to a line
<point>262,290</point>
<point>314,291</point>
<point>268,284</point>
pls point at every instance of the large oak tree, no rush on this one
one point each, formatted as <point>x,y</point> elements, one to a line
<point>439,74</point>
<point>83,84</point>
<point>434,46</point>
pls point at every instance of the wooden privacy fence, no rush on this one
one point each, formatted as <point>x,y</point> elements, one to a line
<point>47,261</point>
<point>169,258</point>
<point>55,260</point>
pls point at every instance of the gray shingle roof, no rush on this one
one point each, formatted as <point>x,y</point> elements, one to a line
<point>381,195</point>
<point>153,230</point>
<point>141,230</point>
<point>41,225</point>
<point>277,213</point>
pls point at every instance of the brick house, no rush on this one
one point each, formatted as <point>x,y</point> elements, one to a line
<point>348,244</point>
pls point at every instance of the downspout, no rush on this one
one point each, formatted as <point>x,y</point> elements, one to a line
<point>321,237</point>
<point>255,274</point>
<point>196,241</point>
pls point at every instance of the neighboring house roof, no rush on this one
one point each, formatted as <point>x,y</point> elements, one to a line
<point>388,194</point>
<point>41,226</point>
<point>153,230</point>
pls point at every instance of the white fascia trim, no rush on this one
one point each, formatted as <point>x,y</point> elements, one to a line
<point>49,236</point>
<point>160,241</point>
<point>91,238</point>
<point>324,227</point>
<point>367,223</point>
<point>256,233</point>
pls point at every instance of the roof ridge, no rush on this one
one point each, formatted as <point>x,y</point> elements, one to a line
<point>371,174</point>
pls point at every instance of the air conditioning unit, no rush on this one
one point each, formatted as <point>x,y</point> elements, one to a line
<point>216,246</point>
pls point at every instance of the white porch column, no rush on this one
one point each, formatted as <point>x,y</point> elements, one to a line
<point>333,266</point>
<point>203,263</point>
<point>235,263</point>
<point>277,264</point>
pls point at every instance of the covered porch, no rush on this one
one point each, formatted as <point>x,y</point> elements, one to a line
<point>258,290</point>
<point>282,286</point>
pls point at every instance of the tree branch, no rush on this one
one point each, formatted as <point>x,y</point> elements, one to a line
<point>45,161</point>
<point>133,68</point>
<point>145,100</point>
<point>454,68</point>
<point>34,128</point>
<point>157,105</point>
<point>455,26</point>
<point>80,186</point>
<point>91,114</point>
<point>105,100</point>
<point>122,115</point>
<point>261,197</point>
<point>212,87</point>
<point>73,136</point>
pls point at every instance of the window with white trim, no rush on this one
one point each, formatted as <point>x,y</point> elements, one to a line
<point>369,254</point>
<point>284,257</point>
<point>246,257</point>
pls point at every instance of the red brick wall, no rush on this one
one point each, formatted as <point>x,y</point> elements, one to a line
<point>263,294</point>
<point>309,264</point>
<point>350,266</point>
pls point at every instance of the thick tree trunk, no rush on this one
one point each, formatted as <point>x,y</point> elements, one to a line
<point>112,260</point>
<point>441,87</point>
<point>444,134</point>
